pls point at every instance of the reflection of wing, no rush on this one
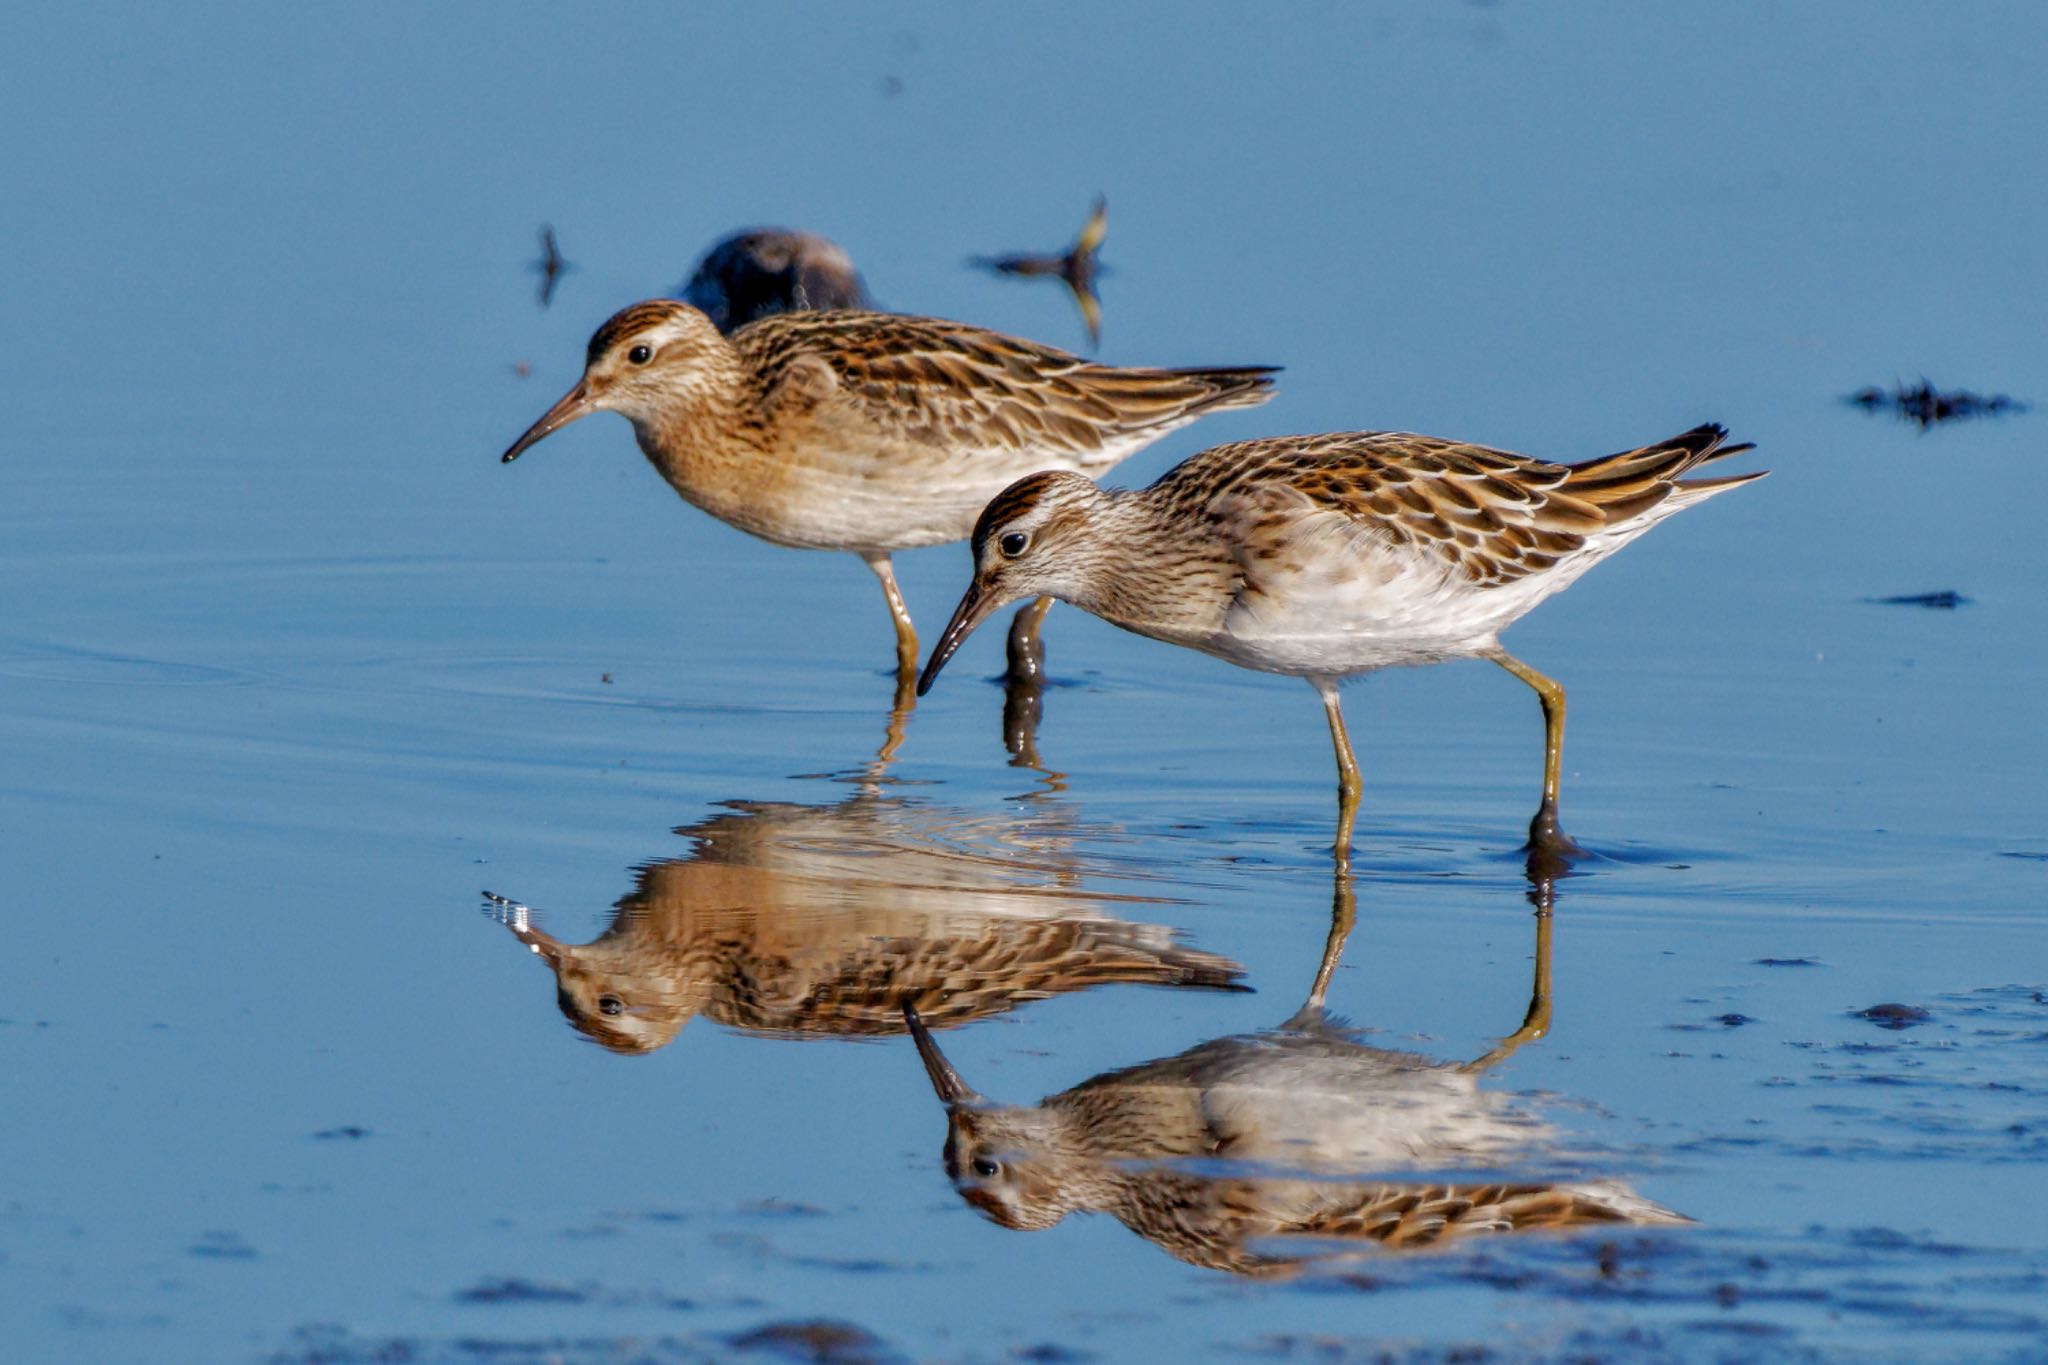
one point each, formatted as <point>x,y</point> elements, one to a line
<point>1259,1227</point>
<point>859,985</point>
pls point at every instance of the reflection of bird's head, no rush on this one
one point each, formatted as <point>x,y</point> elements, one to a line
<point>1012,1164</point>
<point>603,996</point>
<point>762,271</point>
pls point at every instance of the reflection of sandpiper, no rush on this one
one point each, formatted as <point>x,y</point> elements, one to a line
<point>1264,1152</point>
<point>819,920</point>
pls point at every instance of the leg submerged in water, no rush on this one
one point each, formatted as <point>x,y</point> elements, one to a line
<point>1545,834</point>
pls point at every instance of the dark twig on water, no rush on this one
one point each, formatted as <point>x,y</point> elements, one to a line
<point>1926,405</point>
<point>1076,266</point>
<point>551,266</point>
<point>1948,599</point>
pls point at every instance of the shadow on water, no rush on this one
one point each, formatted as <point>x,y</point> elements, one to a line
<point>1266,1152</point>
<point>827,920</point>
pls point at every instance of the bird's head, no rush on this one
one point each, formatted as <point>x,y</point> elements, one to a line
<point>647,361</point>
<point>1036,538</point>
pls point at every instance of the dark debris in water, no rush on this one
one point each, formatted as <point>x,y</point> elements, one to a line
<point>328,1344</point>
<point>514,1289</point>
<point>1925,406</point>
<point>1948,599</point>
<point>1786,962</point>
<point>347,1132</point>
<point>1894,1016</point>
<point>1762,1290</point>
<point>807,1342</point>
<point>218,1245</point>
<point>816,1341</point>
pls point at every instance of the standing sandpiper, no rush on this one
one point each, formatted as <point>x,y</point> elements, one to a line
<point>1328,556</point>
<point>869,432</point>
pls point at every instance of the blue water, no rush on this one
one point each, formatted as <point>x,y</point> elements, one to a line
<point>291,668</point>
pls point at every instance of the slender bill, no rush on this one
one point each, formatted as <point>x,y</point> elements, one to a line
<point>572,405</point>
<point>974,608</point>
<point>543,943</point>
<point>952,1090</point>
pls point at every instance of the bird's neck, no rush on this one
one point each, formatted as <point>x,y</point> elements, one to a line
<point>1158,576</point>
<point>707,435</point>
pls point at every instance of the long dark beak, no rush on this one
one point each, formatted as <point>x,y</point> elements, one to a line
<point>974,608</point>
<point>572,405</point>
<point>953,1092</point>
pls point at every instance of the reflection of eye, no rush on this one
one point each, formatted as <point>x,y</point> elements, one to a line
<point>609,1005</point>
<point>641,354</point>
<point>1013,544</point>
<point>985,1168</point>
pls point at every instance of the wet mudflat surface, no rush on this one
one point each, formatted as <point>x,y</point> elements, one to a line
<point>292,671</point>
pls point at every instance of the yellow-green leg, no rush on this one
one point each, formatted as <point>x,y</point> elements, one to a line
<point>1349,785</point>
<point>906,633</point>
<point>1545,834</point>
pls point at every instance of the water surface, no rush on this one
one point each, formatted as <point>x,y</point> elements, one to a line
<point>291,670</point>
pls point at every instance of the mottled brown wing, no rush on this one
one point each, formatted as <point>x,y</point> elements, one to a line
<point>1494,515</point>
<point>954,386</point>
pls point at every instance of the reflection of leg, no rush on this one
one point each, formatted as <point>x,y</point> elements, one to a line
<point>1343,914</point>
<point>1023,707</point>
<point>1027,651</point>
<point>1544,831</point>
<point>1536,1022</point>
<point>1348,783</point>
<point>906,633</point>
<point>899,712</point>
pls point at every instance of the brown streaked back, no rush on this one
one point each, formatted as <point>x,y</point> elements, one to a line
<point>952,384</point>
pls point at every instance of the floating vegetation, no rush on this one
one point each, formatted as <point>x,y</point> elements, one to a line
<point>1894,1016</point>
<point>1926,405</point>
<point>1948,599</point>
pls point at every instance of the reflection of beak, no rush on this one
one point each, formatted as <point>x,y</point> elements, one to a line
<point>572,405</point>
<point>953,1092</point>
<point>519,920</point>
<point>974,608</point>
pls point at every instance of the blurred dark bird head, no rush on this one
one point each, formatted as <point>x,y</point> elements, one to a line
<point>760,271</point>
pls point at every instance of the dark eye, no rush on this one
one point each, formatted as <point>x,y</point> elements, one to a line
<point>1014,544</point>
<point>610,1005</point>
<point>641,354</point>
<point>985,1168</point>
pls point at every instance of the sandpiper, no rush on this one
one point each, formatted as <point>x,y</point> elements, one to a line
<point>869,432</point>
<point>1333,555</point>
<point>755,272</point>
